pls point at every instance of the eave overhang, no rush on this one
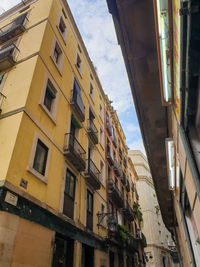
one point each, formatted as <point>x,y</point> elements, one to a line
<point>135,27</point>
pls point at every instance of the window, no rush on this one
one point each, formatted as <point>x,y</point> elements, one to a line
<point>89,221</point>
<point>50,95</point>
<point>91,91</point>
<point>69,194</point>
<point>89,201</point>
<point>40,159</point>
<point>78,63</point>
<point>101,137</point>
<point>62,27</point>
<point>57,55</point>
<point>100,111</point>
<point>70,184</point>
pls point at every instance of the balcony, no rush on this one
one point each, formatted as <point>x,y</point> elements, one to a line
<point>108,127</point>
<point>133,187</point>
<point>2,97</point>
<point>123,178</point>
<point>8,55</point>
<point>74,152</point>
<point>110,157</point>
<point>92,175</point>
<point>120,152</point>
<point>125,162</point>
<point>128,211</point>
<point>77,103</point>
<point>141,238</point>
<point>14,28</point>
<point>114,141</point>
<point>132,243</point>
<point>117,169</point>
<point>115,194</point>
<point>127,186</point>
<point>92,131</point>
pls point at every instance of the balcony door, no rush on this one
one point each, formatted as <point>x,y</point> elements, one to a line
<point>69,194</point>
<point>89,219</point>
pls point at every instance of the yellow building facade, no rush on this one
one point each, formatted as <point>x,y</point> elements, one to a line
<point>122,197</point>
<point>54,196</point>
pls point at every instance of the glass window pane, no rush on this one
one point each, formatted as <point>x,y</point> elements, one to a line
<point>71,186</point>
<point>40,159</point>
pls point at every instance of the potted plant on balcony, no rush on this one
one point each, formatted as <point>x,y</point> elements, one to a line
<point>123,234</point>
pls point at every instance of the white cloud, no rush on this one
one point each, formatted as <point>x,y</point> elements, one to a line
<point>130,127</point>
<point>97,29</point>
<point>6,4</point>
<point>137,145</point>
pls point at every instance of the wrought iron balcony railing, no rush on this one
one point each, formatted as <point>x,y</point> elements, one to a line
<point>117,169</point>
<point>92,131</point>
<point>74,152</point>
<point>8,56</point>
<point>110,156</point>
<point>2,97</point>
<point>115,193</point>
<point>114,141</point>
<point>92,175</point>
<point>125,162</point>
<point>77,102</point>
<point>123,178</point>
<point>127,186</point>
<point>13,29</point>
<point>128,211</point>
<point>120,152</point>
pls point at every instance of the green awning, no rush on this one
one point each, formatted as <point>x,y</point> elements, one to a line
<point>76,122</point>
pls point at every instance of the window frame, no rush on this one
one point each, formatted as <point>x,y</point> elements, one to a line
<point>63,34</point>
<point>100,111</point>
<point>53,112</point>
<point>81,63</point>
<point>30,168</point>
<point>74,186</point>
<point>91,94</point>
<point>58,64</point>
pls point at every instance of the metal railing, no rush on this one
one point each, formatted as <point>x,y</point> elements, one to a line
<point>8,51</point>
<point>2,97</point>
<point>13,28</point>
<point>76,98</point>
<point>123,178</point>
<point>129,209</point>
<point>114,141</point>
<point>92,127</point>
<point>92,168</point>
<point>110,155</point>
<point>72,144</point>
<point>113,186</point>
<point>127,186</point>
<point>125,162</point>
<point>117,168</point>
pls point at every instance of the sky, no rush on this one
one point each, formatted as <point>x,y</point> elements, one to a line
<point>97,30</point>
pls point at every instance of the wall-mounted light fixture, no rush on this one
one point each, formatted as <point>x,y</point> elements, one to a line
<point>170,153</point>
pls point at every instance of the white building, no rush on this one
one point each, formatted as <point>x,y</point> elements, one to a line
<point>159,241</point>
